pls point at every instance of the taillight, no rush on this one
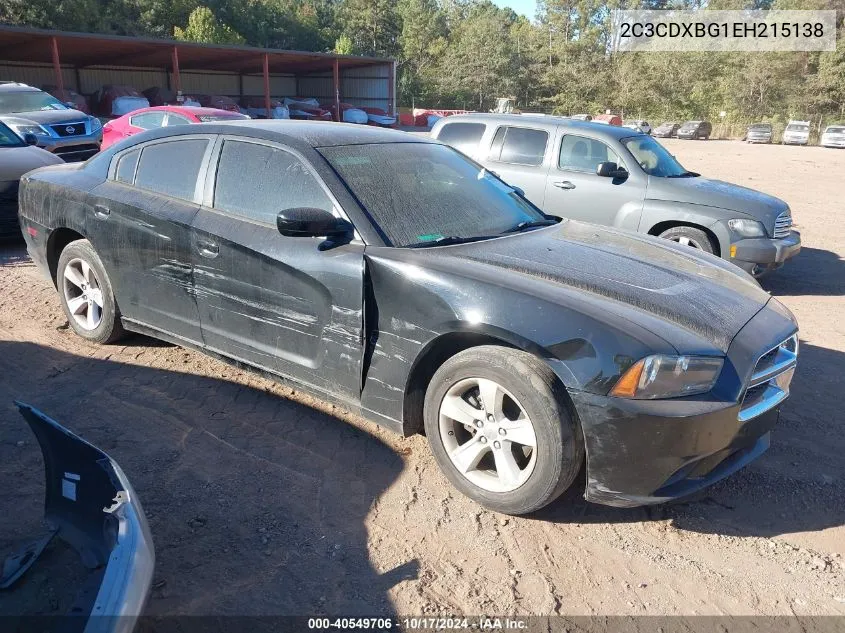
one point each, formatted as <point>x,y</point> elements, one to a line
<point>32,231</point>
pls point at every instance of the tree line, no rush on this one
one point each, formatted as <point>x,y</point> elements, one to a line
<point>466,53</point>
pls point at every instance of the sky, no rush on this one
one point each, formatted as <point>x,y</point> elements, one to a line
<point>524,7</point>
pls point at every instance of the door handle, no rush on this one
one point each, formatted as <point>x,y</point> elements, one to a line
<point>564,184</point>
<point>208,249</point>
<point>101,211</point>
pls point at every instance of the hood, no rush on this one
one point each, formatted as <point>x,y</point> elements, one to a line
<point>719,194</point>
<point>45,117</point>
<point>16,161</point>
<point>697,292</point>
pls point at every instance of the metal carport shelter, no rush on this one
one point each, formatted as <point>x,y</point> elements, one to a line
<point>84,61</point>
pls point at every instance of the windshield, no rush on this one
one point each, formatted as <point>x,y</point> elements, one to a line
<point>761,127</point>
<point>836,130</point>
<point>690,125</point>
<point>9,138</point>
<point>794,127</point>
<point>419,193</point>
<point>11,102</point>
<point>654,158</point>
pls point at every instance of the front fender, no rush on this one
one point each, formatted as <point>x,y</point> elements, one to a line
<point>656,212</point>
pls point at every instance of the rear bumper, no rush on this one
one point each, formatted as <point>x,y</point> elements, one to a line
<point>764,254</point>
<point>794,141</point>
<point>9,214</point>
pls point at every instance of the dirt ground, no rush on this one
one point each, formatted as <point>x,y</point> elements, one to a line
<point>263,501</point>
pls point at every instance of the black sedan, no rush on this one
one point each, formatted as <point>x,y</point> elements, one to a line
<point>16,158</point>
<point>393,275</point>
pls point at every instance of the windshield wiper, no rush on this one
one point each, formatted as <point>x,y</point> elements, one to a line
<point>685,174</point>
<point>530,224</point>
<point>450,239</point>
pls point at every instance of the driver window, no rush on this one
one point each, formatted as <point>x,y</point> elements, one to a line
<point>578,153</point>
<point>278,180</point>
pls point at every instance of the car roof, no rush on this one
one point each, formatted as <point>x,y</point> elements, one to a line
<point>196,111</point>
<point>14,86</point>
<point>297,134</point>
<point>599,129</point>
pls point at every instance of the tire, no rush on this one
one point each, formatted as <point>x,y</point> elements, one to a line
<point>690,236</point>
<point>529,389</point>
<point>82,280</point>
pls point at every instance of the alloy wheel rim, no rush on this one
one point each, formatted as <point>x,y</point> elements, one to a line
<point>83,294</point>
<point>686,241</point>
<point>487,435</point>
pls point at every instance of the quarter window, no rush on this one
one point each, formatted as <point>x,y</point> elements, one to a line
<point>126,165</point>
<point>464,137</point>
<point>177,119</point>
<point>521,146</point>
<point>148,120</point>
<point>171,168</point>
<point>278,180</point>
<point>578,153</point>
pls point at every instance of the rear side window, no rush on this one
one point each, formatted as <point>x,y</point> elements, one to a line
<point>521,146</point>
<point>278,180</point>
<point>148,121</point>
<point>579,153</point>
<point>171,168</point>
<point>126,165</point>
<point>464,137</point>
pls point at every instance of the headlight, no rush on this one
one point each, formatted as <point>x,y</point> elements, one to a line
<point>96,125</point>
<point>22,129</point>
<point>747,228</point>
<point>668,377</point>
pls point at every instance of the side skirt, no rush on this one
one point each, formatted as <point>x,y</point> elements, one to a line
<point>352,406</point>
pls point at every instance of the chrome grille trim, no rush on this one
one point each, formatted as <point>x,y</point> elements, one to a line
<point>769,384</point>
<point>783,225</point>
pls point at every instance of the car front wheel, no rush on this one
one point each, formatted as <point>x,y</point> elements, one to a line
<point>500,428</point>
<point>689,236</point>
<point>86,294</point>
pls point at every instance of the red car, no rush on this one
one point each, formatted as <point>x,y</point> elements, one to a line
<point>161,116</point>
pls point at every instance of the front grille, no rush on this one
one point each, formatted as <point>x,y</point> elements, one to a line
<point>69,129</point>
<point>769,384</point>
<point>783,225</point>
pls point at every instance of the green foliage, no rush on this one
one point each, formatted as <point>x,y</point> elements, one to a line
<point>204,27</point>
<point>466,53</point>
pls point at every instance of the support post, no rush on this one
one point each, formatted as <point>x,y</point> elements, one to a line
<point>177,80</point>
<point>57,67</point>
<point>391,90</point>
<point>338,115</point>
<point>267,84</point>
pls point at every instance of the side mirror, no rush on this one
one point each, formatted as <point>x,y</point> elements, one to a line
<point>30,139</point>
<point>311,222</point>
<point>611,170</point>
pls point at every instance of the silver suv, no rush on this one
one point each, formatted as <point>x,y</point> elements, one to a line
<point>30,112</point>
<point>612,175</point>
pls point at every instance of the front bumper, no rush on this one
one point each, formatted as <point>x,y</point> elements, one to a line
<point>9,210</point>
<point>91,505</point>
<point>642,452</point>
<point>761,254</point>
<point>832,142</point>
<point>795,140</point>
<point>72,149</point>
<point>759,139</point>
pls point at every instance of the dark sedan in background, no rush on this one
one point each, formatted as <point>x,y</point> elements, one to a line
<point>393,275</point>
<point>16,158</point>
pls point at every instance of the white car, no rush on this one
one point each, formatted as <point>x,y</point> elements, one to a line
<point>642,126</point>
<point>833,136</point>
<point>796,133</point>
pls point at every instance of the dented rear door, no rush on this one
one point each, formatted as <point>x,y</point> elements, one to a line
<point>292,306</point>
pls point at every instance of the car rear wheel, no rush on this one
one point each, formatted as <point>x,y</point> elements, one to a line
<point>500,428</point>
<point>86,294</point>
<point>689,236</point>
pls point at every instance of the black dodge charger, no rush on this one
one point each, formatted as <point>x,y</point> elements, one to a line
<point>396,277</point>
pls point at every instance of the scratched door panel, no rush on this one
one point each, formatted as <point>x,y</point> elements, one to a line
<point>144,241</point>
<point>278,302</point>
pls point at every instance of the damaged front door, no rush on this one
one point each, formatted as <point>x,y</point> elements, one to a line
<point>286,304</point>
